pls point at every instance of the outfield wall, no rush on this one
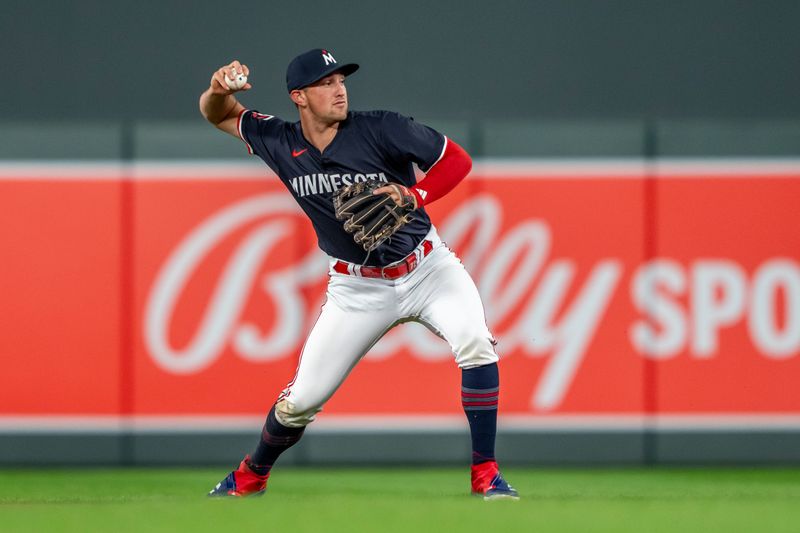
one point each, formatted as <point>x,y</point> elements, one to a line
<point>520,59</point>
<point>646,311</point>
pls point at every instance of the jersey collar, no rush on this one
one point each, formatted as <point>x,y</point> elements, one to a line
<point>298,129</point>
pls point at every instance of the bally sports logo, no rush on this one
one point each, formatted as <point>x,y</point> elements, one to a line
<point>541,304</point>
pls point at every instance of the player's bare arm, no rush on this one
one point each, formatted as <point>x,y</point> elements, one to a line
<point>218,104</point>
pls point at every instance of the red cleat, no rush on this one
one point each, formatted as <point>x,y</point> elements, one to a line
<point>487,481</point>
<point>240,483</point>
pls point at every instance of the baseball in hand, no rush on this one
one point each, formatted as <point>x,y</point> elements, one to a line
<point>238,81</point>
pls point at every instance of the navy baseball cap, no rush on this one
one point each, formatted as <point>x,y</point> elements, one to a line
<point>312,66</point>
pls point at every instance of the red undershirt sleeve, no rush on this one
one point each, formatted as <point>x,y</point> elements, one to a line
<point>444,175</point>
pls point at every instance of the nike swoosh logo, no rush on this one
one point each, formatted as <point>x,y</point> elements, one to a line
<point>296,153</point>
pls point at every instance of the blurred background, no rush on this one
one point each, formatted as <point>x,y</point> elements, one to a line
<point>651,148</point>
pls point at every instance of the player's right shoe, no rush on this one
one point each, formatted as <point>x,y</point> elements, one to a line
<point>240,483</point>
<point>488,482</point>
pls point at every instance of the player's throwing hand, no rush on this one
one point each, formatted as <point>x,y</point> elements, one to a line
<point>230,79</point>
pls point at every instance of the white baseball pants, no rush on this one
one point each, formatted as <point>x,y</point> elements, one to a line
<point>358,311</point>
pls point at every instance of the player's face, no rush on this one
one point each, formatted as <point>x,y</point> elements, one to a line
<point>327,98</point>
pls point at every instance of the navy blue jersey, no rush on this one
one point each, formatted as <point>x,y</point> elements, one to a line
<point>375,145</point>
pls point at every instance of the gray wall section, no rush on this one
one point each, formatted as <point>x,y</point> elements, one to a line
<point>697,138</point>
<point>454,59</point>
<point>553,447</point>
<point>729,447</point>
<point>194,139</point>
<point>63,140</point>
<point>620,138</point>
<point>188,139</point>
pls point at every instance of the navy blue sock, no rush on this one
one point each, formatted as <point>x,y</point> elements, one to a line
<point>480,389</point>
<point>275,439</point>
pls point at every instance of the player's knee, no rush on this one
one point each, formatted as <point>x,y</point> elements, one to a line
<point>477,350</point>
<point>293,415</point>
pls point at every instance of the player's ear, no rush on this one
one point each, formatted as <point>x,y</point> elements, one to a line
<point>298,97</point>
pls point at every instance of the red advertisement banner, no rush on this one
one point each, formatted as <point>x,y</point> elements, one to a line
<point>610,292</point>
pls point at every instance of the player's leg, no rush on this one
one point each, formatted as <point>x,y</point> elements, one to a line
<point>343,333</point>
<point>450,305</point>
<point>358,312</point>
<point>336,343</point>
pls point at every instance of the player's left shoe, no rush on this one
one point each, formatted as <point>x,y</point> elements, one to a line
<point>240,483</point>
<point>488,482</point>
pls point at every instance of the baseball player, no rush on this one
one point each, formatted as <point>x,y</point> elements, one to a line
<point>412,276</point>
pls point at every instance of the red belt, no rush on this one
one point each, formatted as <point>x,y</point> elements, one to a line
<point>395,271</point>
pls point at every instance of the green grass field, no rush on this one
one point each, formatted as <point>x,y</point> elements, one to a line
<point>404,500</point>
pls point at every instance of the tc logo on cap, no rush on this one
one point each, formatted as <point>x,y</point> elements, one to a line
<point>328,57</point>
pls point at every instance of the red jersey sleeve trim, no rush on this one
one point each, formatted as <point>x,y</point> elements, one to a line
<point>241,133</point>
